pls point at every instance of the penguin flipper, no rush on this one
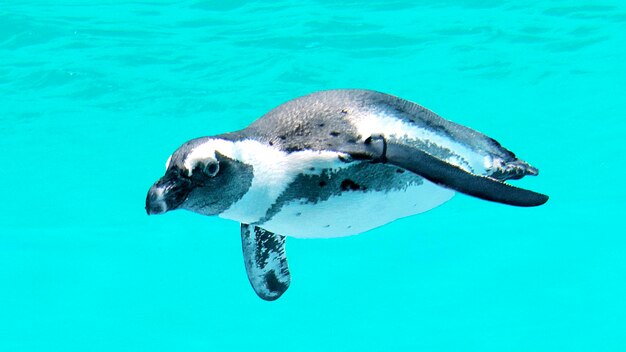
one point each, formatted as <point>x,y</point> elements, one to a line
<point>266,262</point>
<point>438,171</point>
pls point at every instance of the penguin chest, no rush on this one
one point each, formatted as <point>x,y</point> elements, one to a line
<point>350,201</point>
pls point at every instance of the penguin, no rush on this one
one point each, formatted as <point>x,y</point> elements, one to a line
<point>329,164</point>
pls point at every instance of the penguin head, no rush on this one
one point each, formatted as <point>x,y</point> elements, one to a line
<point>200,178</point>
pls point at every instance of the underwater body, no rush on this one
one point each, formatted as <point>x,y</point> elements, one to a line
<point>94,97</point>
<point>331,164</point>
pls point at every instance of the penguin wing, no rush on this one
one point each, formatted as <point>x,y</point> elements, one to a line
<point>266,262</point>
<point>438,171</point>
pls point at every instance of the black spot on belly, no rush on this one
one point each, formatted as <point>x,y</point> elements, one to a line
<point>334,133</point>
<point>345,159</point>
<point>358,177</point>
<point>293,149</point>
<point>400,171</point>
<point>348,184</point>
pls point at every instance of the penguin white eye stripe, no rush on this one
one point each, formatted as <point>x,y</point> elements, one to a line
<point>191,164</point>
<point>167,163</point>
<point>205,154</point>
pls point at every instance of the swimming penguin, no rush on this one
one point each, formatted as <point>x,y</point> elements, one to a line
<point>329,164</point>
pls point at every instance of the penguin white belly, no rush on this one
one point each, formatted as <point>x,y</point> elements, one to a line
<point>354,212</point>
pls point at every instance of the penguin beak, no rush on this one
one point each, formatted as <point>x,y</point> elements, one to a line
<point>167,194</point>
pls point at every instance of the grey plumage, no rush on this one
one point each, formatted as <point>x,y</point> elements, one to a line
<point>321,121</point>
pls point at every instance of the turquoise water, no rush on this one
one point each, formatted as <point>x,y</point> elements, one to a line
<point>93,98</point>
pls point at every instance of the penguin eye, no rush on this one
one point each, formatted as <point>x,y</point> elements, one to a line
<point>211,169</point>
